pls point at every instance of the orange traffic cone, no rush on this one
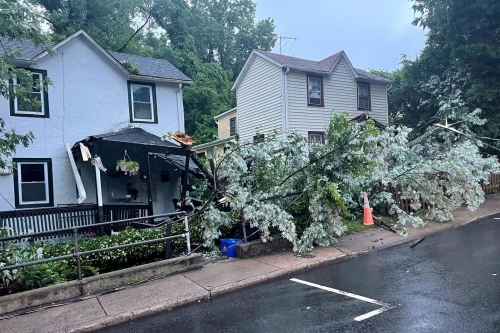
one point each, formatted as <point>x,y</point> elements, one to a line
<point>367,212</point>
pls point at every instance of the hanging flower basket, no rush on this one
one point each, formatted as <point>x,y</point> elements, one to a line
<point>129,167</point>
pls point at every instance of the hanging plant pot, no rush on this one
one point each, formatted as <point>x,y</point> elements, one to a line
<point>129,167</point>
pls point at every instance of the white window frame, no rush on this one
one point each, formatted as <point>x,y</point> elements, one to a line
<point>42,98</point>
<point>20,184</point>
<point>152,120</point>
<point>310,135</point>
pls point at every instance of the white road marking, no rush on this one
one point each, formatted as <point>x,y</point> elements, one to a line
<point>385,306</point>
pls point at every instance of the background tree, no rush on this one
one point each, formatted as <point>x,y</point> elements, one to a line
<point>208,40</point>
<point>458,69</point>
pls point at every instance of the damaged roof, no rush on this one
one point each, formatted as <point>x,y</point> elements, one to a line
<point>131,135</point>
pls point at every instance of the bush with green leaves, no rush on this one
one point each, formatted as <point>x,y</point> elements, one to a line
<point>63,270</point>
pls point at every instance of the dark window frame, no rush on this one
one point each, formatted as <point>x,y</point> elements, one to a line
<point>49,177</point>
<point>232,126</point>
<point>369,95</point>
<point>130,102</point>
<point>316,133</point>
<point>259,138</point>
<point>322,103</point>
<point>45,95</point>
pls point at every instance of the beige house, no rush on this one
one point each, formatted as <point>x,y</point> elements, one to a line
<point>283,93</point>
<point>226,131</point>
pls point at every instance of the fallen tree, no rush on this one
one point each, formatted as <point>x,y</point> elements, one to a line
<point>327,180</point>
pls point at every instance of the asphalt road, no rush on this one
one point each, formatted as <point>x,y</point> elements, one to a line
<point>447,283</point>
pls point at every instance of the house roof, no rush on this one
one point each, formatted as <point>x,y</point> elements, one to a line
<point>152,67</point>
<point>148,67</point>
<point>225,113</point>
<point>323,67</point>
<point>131,135</point>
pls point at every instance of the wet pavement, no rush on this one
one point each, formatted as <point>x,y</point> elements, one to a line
<point>450,282</point>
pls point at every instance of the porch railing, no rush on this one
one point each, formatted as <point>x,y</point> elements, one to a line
<point>29,221</point>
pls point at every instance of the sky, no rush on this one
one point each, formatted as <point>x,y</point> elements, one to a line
<point>373,33</point>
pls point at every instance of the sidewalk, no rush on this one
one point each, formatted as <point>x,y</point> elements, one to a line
<point>215,278</point>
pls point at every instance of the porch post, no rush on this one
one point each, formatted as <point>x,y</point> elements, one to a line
<point>100,211</point>
<point>185,177</point>
<point>148,184</point>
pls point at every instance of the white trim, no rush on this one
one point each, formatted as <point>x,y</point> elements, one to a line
<point>20,184</point>
<point>152,120</point>
<point>225,113</point>
<point>42,98</point>
<point>350,67</point>
<point>287,115</point>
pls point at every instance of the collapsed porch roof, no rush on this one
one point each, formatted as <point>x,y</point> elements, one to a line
<point>170,152</point>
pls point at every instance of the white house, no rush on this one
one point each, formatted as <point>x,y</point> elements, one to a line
<point>278,92</point>
<point>94,101</point>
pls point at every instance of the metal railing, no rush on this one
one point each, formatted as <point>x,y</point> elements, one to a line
<point>77,254</point>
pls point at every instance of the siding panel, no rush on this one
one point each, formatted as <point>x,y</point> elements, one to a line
<point>259,100</point>
<point>340,95</point>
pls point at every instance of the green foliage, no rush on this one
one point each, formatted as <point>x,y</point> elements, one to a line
<point>132,68</point>
<point>457,69</point>
<point>60,271</point>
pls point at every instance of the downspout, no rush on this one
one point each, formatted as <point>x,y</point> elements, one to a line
<point>179,107</point>
<point>287,122</point>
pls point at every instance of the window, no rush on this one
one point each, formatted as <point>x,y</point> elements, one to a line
<point>232,126</point>
<point>364,96</point>
<point>316,137</point>
<point>142,102</point>
<point>314,90</point>
<point>258,138</point>
<point>19,107</point>
<point>33,182</point>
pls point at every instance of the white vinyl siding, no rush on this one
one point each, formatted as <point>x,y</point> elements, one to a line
<point>259,100</point>
<point>340,95</point>
<point>380,110</point>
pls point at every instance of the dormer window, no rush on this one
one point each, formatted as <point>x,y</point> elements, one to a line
<point>314,90</point>
<point>142,102</point>
<point>38,106</point>
<point>364,101</point>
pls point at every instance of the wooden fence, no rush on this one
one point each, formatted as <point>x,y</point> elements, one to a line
<point>492,187</point>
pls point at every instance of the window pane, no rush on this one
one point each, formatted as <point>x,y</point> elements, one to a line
<point>32,173</point>
<point>141,94</point>
<point>142,111</point>
<point>363,102</point>
<point>314,88</point>
<point>37,81</point>
<point>33,192</point>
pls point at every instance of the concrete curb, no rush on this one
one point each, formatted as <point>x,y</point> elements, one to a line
<point>91,285</point>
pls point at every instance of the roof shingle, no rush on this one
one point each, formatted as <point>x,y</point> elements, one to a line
<point>159,68</point>
<point>324,65</point>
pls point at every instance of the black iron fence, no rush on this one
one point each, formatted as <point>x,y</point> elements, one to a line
<point>78,229</point>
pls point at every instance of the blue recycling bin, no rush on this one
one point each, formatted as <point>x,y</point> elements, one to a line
<point>228,246</point>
